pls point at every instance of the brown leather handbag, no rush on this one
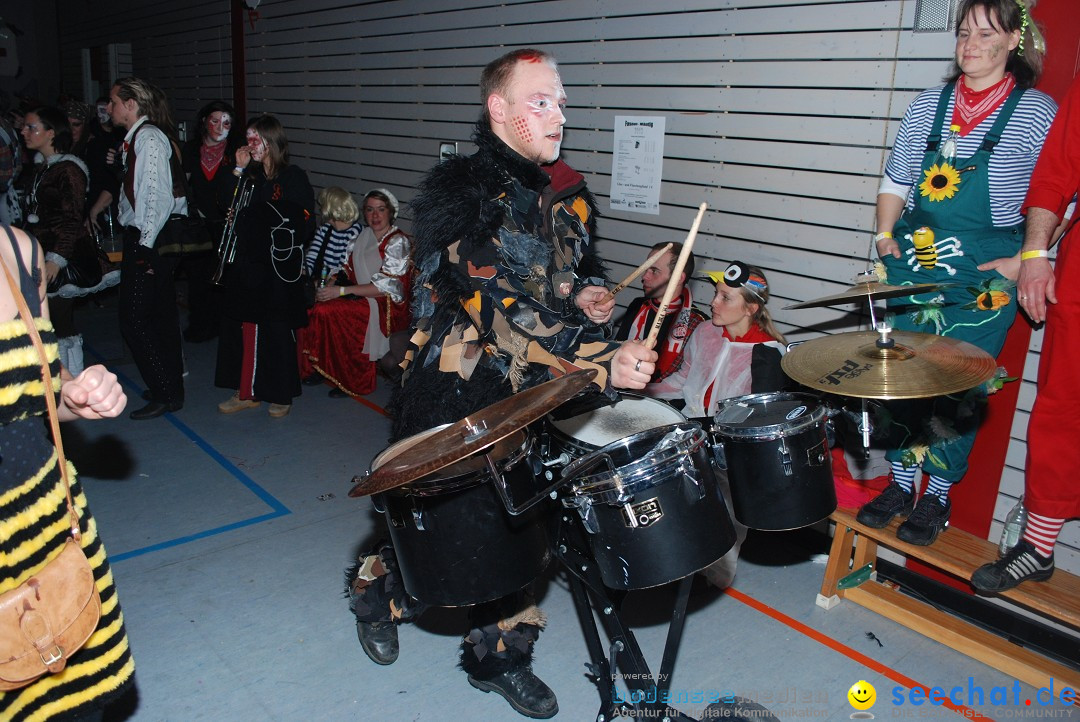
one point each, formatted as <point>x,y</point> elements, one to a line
<point>48,617</point>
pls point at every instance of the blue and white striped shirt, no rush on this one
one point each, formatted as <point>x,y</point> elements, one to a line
<point>338,246</point>
<point>1011,163</point>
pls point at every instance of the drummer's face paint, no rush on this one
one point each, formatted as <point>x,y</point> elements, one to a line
<point>982,48</point>
<point>218,125</point>
<point>656,276</point>
<point>256,145</point>
<point>534,112</point>
<point>731,311</point>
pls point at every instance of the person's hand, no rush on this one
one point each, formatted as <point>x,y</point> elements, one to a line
<point>94,394</point>
<point>632,366</point>
<point>590,299</point>
<point>243,156</point>
<point>329,293</point>
<point>1035,288</point>
<point>112,156</point>
<point>51,271</point>
<point>888,246</point>
<point>1008,267</point>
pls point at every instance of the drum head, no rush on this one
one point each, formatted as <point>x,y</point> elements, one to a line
<point>629,415</point>
<point>767,414</point>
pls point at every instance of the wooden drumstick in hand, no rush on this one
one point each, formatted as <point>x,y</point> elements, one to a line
<point>680,264</point>
<point>637,272</point>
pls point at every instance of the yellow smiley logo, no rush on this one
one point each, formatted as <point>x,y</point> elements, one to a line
<point>862,695</point>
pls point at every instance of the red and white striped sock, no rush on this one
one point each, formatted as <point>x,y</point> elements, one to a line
<point>1042,532</point>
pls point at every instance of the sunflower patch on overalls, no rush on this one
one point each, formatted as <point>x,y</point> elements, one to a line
<point>943,239</point>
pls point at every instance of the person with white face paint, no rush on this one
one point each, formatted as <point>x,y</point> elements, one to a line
<point>209,161</point>
<point>263,299</point>
<point>509,293</point>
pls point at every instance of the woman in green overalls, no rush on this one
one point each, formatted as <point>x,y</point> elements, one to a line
<point>949,212</point>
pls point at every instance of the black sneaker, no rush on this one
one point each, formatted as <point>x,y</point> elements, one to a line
<point>1022,563</point>
<point>880,510</point>
<point>927,520</point>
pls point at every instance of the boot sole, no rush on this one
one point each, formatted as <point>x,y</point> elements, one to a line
<point>489,687</point>
<point>903,514</point>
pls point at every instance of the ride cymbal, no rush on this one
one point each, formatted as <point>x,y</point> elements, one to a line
<point>916,365</point>
<point>870,290</point>
<point>474,433</point>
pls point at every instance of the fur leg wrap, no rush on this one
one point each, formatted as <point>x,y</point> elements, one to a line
<point>375,590</point>
<point>503,645</point>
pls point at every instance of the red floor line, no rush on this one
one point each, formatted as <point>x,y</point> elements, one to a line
<point>845,650</point>
<point>374,407</point>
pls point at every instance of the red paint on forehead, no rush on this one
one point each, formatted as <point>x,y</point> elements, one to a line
<point>531,58</point>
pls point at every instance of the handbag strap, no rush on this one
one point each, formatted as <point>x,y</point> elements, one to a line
<point>50,401</point>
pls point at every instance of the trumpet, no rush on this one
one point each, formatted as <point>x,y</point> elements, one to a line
<point>227,247</point>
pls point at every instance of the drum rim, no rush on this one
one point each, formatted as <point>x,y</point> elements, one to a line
<point>636,476</point>
<point>768,432</point>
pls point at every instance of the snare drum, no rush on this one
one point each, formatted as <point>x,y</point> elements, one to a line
<point>652,507</point>
<point>576,436</point>
<point>777,458</point>
<point>455,542</point>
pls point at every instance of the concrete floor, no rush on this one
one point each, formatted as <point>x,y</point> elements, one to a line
<point>229,536</point>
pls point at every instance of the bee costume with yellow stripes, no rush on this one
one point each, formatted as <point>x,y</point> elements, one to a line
<point>34,525</point>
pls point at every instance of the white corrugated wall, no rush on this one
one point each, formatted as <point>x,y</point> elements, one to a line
<point>779,114</point>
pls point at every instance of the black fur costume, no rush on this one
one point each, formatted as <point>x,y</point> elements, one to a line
<point>465,199</point>
<point>542,219</point>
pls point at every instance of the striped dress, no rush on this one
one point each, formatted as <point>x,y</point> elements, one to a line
<point>34,526</point>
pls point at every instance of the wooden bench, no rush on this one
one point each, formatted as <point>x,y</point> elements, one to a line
<point>854,556</point>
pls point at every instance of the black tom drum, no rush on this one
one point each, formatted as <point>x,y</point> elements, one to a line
<point>777,458</point>
<point>456,544</point>
<point>651,506</point>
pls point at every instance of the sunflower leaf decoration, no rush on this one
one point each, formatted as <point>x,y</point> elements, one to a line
<point>941,182</point>
<point>1000,378</point>
<point>989,295</point>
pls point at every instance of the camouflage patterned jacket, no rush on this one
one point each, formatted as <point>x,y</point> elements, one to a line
<point>502,247</point>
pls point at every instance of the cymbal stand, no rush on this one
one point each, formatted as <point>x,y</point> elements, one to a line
<point>593,600</point>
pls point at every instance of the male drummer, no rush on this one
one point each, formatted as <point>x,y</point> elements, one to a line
<point>681,319</point>
<point>509,294</point>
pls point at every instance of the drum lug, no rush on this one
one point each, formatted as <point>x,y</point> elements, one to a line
<point>417,515</point>
<point>584,507</point>
<point>689,473</point>
<point>785,458</point>
<point>816,455</point>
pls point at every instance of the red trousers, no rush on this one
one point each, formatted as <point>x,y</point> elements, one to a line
<point>1053,461</point>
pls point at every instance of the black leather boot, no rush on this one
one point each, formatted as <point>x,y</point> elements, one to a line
<point>508,672</point>
<point>525,692</point>
<point>379,640</point>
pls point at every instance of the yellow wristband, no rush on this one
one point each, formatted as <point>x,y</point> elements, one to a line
<point>1028,255</point>
<point>341,291</point>
<point>882,236</point>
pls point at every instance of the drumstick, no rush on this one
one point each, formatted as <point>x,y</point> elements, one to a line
<point>637,272</point>
<point>650,341</point>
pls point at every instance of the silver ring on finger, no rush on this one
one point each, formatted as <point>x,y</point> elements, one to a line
<point>637,366</point>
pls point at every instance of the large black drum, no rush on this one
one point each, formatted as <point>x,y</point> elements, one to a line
<point>651,505</point>
<point>777,458</point>
<point>456,543</point>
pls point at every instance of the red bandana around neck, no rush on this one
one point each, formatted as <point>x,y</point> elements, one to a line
<point>210,158</point>
<point>972,107</point>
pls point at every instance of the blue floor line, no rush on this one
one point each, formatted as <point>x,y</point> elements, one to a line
<point>278,508</point>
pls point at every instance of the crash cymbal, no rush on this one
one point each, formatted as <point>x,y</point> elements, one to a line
<point>869,290</point>
<point>440,448</point>
<point>917,365</point>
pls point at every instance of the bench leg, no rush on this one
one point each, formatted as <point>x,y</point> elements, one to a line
<point>838,565</point>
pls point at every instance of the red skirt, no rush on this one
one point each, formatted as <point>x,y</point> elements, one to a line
<point>332,345</point>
